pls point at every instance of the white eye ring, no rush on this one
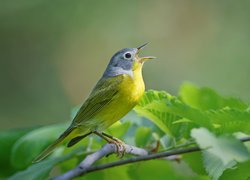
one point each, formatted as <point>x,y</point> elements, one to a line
<point>127,55</point>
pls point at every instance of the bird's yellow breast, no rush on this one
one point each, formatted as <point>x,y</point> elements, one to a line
<point>130,91</point>
<point>132,88</point>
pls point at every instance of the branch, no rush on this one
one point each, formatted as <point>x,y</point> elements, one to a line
<point>106,150</point>
<point>85,166</point>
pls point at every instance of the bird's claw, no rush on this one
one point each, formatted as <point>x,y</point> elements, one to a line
<point>120,147</point>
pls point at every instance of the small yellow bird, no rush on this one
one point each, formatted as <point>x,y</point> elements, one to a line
<point>115,94</point>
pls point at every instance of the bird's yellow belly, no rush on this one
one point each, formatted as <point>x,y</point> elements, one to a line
<point>130,92</point>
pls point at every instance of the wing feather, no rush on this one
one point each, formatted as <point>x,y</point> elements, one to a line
<point>100,96</point>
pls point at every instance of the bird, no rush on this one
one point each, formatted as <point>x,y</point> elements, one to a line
<point>115,94</point>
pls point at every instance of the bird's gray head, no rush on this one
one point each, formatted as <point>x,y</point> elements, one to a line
<point>124,61</point>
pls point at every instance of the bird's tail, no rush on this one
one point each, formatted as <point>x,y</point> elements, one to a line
<point>51,147</point>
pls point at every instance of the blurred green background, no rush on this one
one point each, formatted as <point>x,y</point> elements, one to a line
<point>53,52</point>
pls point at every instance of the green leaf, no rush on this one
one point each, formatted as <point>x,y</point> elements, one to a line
<point>174,117</point>
<point>230,120</point>
<point>156,100</point>
<point>142,136</point>
<point>239,172</point>
<point>7,139</point>
<point>167,142</point>
<point>41,170</point>
<point>161,170</point>
<point>31,144</point>
<point>220,152</point>
<point>166,110</point>
<point>214,165</point>
<point>194,160</point>
<point>206,98</point>
<point>119,129</point>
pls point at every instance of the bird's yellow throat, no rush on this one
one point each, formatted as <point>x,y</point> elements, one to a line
<point>134,85</point>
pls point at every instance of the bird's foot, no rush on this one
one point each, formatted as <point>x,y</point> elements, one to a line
<point>120,146</point>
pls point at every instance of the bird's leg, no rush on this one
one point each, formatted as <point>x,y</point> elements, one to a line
<point>111,137</point>
<point>119,144</point>
<point>113,140</point>
<point>101,136</point>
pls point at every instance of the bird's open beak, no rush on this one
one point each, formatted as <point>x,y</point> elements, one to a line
<point>143,59</point>
<point>142,47</point>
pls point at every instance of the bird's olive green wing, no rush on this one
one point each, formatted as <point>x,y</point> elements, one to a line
<point>101,95</point>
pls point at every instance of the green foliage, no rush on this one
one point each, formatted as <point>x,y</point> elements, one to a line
<point>239,172</point>
<point>41,170</point>
<point>201,107</point>
<point>229,120</point>
<point>219,146</point>
<point>219,153</point>
<point>168,111</point>
<point>30,145</point>
<point>161,170</point>
<point>207,99</point>
<point>142,136</point>
<point>7,140</point>
<point>198,116</point>
<point>119,129</point>
<point>194,161</point>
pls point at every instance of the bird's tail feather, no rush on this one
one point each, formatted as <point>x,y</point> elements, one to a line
<point>76,139</point>
<point>55,144</point>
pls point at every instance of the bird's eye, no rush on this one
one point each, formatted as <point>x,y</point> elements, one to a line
<point>127,55</point>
